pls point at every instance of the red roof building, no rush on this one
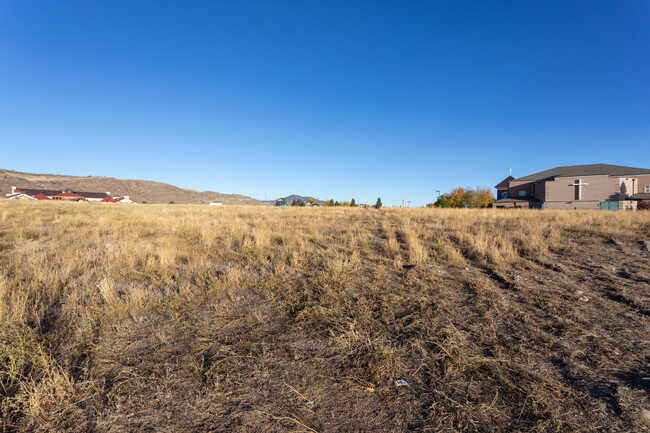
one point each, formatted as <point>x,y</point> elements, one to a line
<point>67,196</point>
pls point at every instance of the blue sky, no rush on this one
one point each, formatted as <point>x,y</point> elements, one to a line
<point>328,98</point>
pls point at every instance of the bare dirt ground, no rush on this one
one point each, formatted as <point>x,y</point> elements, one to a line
<point>302,320</point>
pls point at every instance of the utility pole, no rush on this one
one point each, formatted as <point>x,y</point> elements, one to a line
<point>402,202</point>
<point>438,191</point>
<point>409,202</point>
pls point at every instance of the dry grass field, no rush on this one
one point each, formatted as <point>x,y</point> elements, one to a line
<point>181,318</point>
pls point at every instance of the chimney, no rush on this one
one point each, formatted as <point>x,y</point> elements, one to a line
<point>108,193</point>
<point>13,189</point>
<point>126,197</point>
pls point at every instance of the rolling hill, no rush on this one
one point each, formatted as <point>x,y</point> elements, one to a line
<point>138,190</point>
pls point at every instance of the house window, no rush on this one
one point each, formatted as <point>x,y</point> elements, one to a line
<point>522,193</point>
<point>504,194</point>
<point>646,188</point>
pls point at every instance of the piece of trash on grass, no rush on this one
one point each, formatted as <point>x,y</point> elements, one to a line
<point>401,382</point>
<point>370,389</point>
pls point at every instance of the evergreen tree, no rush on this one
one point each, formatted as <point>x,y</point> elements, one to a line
<point>443,201</point>
<point>353,203</point>
<point>378,205</point>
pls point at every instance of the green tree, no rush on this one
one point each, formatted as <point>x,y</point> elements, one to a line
<point>378,204</point>
<point>352,202</point>
<point>443,201</point>
<point>336,203</point>
<point>299,202</point>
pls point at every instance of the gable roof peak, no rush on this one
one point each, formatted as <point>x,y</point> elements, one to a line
<point>504,183</point>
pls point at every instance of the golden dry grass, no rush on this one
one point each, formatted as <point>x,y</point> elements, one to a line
<point>106,308</point>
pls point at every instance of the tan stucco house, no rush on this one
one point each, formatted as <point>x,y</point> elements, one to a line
<point>593,186</point>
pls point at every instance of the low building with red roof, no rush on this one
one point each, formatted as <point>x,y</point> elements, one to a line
<point>66,195</point>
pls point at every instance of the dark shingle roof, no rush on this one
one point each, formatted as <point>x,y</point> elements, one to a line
<point>640,196</point>
<point>51,192</point>
<point>504,183</point>
<point>585,170</point>
<point>91,194</point>
<point>35,192</point>
<point>517,200</point>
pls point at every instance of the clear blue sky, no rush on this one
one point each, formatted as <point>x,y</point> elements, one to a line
<point>328,98</point>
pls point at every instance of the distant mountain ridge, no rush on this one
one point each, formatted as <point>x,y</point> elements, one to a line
<point>138,190</point>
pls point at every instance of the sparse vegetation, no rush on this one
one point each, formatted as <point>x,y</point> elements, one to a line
<point>189,318</point>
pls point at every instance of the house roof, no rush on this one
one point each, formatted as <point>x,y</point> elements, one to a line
<point>504,183</point>
<point>35,192</point>
<point>108,199</point>
<point>92,194</point>
<point>640,196</point>
<point>42,197</point>
<point>52,192</point>
<point>585,170</point>
<point>517,200</point>
<point>68,194</point>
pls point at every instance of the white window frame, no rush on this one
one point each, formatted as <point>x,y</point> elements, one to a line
<point>646,188</point>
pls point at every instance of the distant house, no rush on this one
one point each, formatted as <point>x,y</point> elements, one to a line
<point>65,195</point>
<point>593,186</point>
<point>123,200</point>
